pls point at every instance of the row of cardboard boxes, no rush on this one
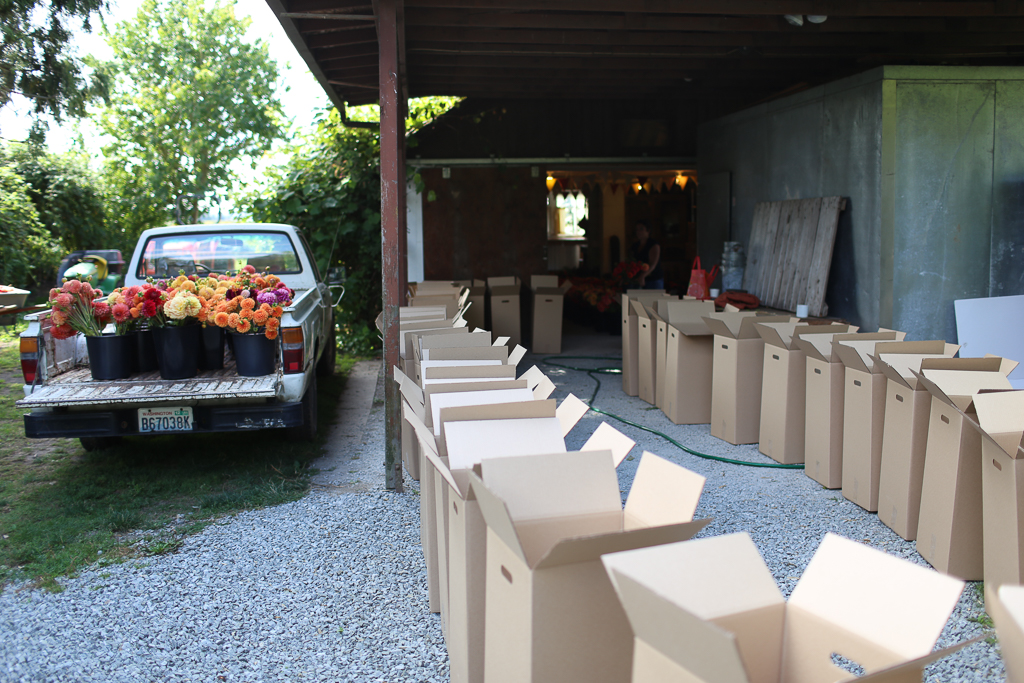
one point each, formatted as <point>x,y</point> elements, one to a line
<point>930,442</point>
<point>540,574</point>
<point>500,298</point>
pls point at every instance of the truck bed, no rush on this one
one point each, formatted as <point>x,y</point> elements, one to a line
<point>76,387</point>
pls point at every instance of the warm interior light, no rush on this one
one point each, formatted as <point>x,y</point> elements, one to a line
<point>637,187</point>
<point>550,182</point>
<point>681,181</point>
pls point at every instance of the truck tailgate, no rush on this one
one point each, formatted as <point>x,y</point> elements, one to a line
<point>77,388</point>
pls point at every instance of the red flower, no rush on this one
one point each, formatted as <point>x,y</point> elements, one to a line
<point>101,310</point>
<point>149,307</point>
<point>64,331</point>
<point>152,294</point>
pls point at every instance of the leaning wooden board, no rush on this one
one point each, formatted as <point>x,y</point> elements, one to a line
<point>791,251</point>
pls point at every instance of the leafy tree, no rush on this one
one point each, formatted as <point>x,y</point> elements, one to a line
<point>26,249</point>
<point>68,197</point>
<point>34,38</point>
<point>191,96</point>
<point>330,189</point>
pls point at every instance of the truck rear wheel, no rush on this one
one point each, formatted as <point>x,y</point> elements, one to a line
<point>307,430</point>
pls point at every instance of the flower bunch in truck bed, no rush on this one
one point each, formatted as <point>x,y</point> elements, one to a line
<point>253,303</point>
<point>77,307</point>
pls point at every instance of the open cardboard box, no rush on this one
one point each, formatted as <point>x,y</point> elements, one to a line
<point>825,392</point>
<point>552,615</point>
<point>905,432</point>
<point>1000,418</point>
<point>709,610</point>
<point>1006,607</point>
<point>647,350</point>
<point>548,301</point>
<point>950,531</point>
<point>689,357</point>
<point>738,367</point>
<point>466,373</point>
<point>630,331</point>
<point>864,416</point>
<point>471,435</point>
<point>506,318</point>
<point>661,353</point>
<point>784,387</point>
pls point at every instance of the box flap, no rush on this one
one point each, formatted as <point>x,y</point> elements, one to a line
<point>410,390</point>
<point>435,461</point>
<point>685,310</point>
<point>423,434</point>
<point>958,387</point>
<point>499,411</point>
<point>496,515</point>
<point>709,653</point>
<point>556,485</point>
<point>607,438</point>
<point>428,364</point>
<point>570,412</point>
<point>741,325</point>
<point>855,354</point>
<point>516,355</point>
<point>501,341</point>
<point>819,346</point>
<point>469,371</point>
<point>441,400</point>
<point>546,281</point>
<point>848,585</point>
<point>439,341</point>
<point>652,313</point>
<point>471,442</point>
<point>786,334</point>
<point>912,669</point>
<point>538,382</point>
<point>1001,415</point>
<point>452,387</point>
<point>588,548</point>
<point>987,364</point>
<point>639,308</point>
<point>894,374</point>
<point>662,493</point>
<point>483,352</point>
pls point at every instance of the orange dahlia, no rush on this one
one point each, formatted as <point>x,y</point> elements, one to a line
<point>220,319</point>
<point>273,323</point>
<point>259,317</point>
<point>277,311</point>
<point>271,333</point>
<point>233,320</point>
<point>248,304</point>
<point>243,326</point>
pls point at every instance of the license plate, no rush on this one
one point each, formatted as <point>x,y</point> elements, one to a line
<point>173,419</point>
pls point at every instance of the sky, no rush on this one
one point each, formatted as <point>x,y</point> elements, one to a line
<point>300,103</point>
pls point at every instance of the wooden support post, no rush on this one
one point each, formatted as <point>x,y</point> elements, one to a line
<point>392,221</point>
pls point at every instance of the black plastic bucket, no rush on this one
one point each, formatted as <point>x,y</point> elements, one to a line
<point>177,350</point>
<point>255,355</point>
<point>111,356</point>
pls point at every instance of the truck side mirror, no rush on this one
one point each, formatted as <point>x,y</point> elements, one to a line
<point>336,276</point>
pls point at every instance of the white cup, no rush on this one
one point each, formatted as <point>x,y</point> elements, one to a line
<point>714,293</point>
<point>801,310</point>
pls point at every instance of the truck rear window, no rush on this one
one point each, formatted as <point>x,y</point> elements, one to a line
<point>200,253</point>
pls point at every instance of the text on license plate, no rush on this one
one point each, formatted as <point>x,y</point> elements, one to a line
<point>172,419</point>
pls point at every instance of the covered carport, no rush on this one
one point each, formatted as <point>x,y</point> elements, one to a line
<point>906,107</point>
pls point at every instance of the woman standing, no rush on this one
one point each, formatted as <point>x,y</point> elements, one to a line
<point>646,250</point>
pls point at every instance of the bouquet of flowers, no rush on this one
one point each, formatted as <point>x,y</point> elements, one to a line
<point>77,307</point>
<point>628,273</point>
<point>252,303</point>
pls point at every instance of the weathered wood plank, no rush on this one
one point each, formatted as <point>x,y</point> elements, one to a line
<point>787,216</point>
<point>796,274</point>
<point>755,249</point>
<point>821,258</point>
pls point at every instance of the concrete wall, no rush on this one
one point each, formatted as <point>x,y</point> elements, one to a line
<point>821,142</point>
<point>931,160</point>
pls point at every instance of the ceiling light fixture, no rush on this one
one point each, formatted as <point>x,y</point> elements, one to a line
<point>550,182</point>
<point>817,18</point>
<point>794,19</point>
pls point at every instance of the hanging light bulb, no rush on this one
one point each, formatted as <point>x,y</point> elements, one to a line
<point>637,187</point>
<point>550,182</point>
<point>681,181</point>
<point>794,19</point>
<point>817,18</point>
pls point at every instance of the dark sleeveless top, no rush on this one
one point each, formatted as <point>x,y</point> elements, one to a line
<point>644,255</point>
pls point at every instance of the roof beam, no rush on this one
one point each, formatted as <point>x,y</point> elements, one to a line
<point>831,8</point>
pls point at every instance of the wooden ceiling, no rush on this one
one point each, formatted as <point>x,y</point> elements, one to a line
<point>736,51</point>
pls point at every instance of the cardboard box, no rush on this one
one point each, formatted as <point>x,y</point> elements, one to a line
<point>467,373</point>
<point>950,531</point>
<point>905,433</point>
<point>548,300</point>
<point>709,610</point>
<point>552,615</point>
<point>661,355</point>
<point>825,391</point>
<point>689,357</point>
<point>475,436</point>
<point>863,418</point>
<point>737,368</point>
<point>630,327</point>
<point>647,350</point>
<point>1006,607</point>
<point>784,387</point>
<point>503,294</point>
<point>1001,423</point>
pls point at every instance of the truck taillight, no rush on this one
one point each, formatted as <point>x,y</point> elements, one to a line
<point>29,348</point>
<point>293,345</point>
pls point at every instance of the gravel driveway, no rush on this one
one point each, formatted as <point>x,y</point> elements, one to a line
<point>333,587</point>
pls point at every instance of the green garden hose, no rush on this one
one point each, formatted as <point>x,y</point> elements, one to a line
<point>593,372</point>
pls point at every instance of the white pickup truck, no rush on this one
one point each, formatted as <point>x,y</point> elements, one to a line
<point>64,401</point>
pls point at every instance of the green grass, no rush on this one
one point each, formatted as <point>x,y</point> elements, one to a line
<point>62,508</point>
